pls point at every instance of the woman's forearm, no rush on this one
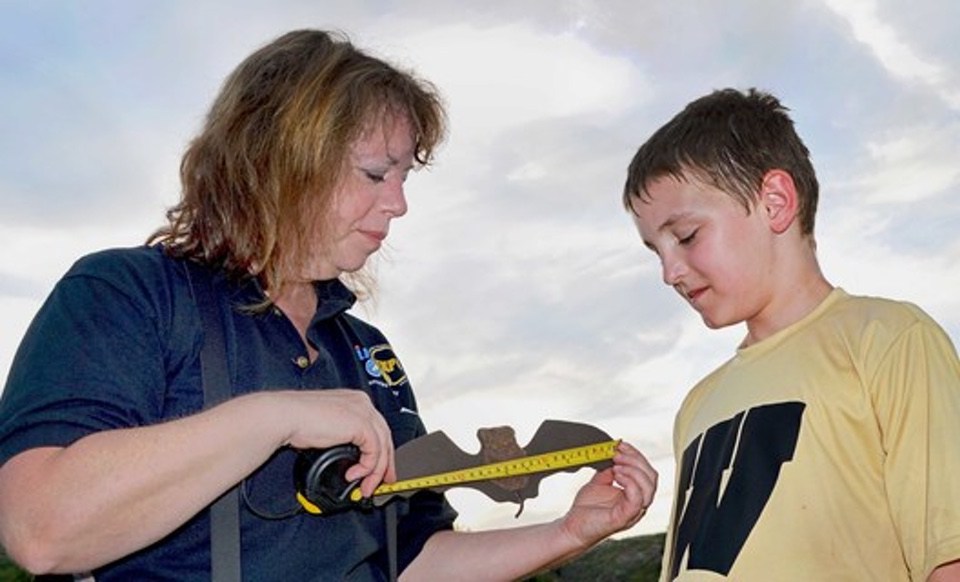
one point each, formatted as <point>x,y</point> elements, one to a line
<point>114,492</point>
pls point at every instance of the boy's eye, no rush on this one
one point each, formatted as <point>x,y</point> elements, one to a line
<point>685,240</point>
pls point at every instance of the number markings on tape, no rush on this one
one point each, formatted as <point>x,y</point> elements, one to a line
<point>552,461</point>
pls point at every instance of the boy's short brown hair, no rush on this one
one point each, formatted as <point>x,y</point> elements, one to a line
<point>728,139</point>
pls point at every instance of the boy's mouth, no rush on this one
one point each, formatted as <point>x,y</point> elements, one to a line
<point>693,294</point>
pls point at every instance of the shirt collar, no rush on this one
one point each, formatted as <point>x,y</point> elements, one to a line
<point>333,297</point>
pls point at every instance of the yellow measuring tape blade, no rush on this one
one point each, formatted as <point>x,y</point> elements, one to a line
<point>552,461</point>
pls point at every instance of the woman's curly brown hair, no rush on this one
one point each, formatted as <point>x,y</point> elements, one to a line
<point>262,172</point>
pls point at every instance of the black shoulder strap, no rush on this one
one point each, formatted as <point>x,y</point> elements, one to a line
<point>391,525</point>
<point>225,511</point>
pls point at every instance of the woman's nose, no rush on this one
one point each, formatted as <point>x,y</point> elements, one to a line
<point>395,201</point>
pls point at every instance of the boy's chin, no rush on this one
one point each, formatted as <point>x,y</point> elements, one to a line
<point>716,324</point>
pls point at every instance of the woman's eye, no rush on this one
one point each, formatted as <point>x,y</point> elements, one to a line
<point>374,176</point>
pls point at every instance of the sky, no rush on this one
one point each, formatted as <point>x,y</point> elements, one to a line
<point>516,289</point>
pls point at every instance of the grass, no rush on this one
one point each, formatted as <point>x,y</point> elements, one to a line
<point>633,559</point>
<point>9,572</point>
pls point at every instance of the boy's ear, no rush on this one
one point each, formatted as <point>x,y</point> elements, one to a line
<point>778,198</point>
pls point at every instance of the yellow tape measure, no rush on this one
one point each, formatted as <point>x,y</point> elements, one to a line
<point>552,461</point>
<point>546,462</point>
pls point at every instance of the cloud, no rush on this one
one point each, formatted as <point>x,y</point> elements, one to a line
<point>895,55</point>
<point>912,164</point>
<point>506,76</point>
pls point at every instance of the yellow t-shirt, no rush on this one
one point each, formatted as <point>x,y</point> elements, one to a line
<point>828,451</point>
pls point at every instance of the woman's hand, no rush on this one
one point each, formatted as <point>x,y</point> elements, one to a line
<point>324,418</point>
<point>614,499</point>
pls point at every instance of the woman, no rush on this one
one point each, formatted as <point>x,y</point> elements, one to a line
<point>109,459</point>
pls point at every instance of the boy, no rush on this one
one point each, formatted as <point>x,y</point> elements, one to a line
<point>828,446</point>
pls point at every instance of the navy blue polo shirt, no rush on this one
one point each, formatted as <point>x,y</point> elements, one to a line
<point>117,345</point>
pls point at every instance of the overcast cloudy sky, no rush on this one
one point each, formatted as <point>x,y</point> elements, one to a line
<point>515,289</point>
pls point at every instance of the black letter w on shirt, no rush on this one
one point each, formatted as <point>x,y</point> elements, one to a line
<point>726,499</point>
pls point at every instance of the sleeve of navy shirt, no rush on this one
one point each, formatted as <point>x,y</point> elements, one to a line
<point>91,360</point>
<point>116,345</point>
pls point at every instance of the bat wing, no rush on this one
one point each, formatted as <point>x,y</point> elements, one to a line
<point>431,454</point>
<point>554,435</point>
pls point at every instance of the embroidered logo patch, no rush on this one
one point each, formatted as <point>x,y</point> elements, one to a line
<point>382,363</point>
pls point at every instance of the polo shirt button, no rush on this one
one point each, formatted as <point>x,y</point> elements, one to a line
<point>302,362</point>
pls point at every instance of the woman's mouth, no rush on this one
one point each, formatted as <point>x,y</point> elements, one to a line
<point>376,235</point>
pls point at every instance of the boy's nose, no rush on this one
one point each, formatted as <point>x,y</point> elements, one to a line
<point>673,269</point>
